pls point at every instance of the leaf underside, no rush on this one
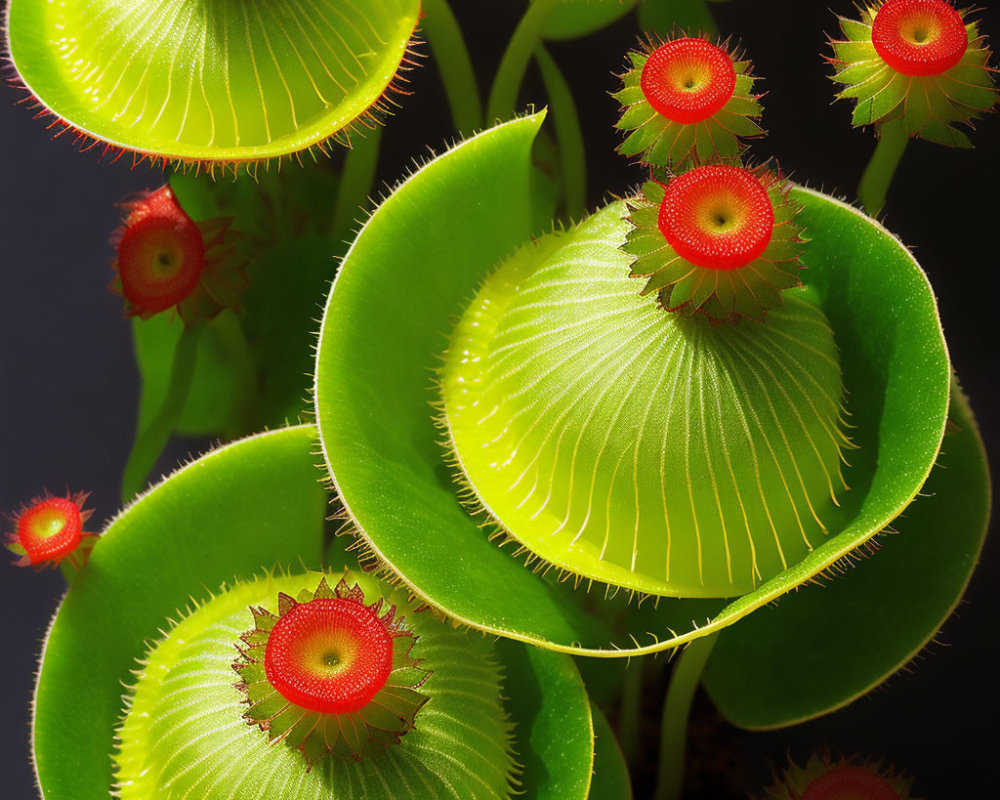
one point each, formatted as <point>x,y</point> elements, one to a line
<point>210,81</point>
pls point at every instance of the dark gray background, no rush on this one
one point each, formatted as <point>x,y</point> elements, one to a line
<point>68,386</point>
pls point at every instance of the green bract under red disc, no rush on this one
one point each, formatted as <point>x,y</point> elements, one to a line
<point>329,655</point>
<point>718,216</point>
<point>688,80</point>
<point>919,37</point>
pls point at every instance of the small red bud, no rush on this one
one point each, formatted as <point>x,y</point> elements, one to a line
<point>49,530</point>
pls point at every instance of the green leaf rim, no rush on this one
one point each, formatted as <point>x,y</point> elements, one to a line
<point>850,634</point>
<point>290,78</point>
<point>373,386</point>
<point>221,512</point>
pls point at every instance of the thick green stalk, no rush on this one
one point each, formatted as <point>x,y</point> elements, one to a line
<point>356,181</point>
<point>507,83</point>
<point>572,156</point>
<point>151,441</point>
<point>452,56</point>
<point>628,723</point>
<point>882,166</point>
<point>68,570</point>
<point>676,709</point>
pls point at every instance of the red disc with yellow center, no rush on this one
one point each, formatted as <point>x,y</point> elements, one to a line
<point>329,655</point>
<point>717,216</point>
<point>849,783</point>
<point>161,254</point>
<point>919,37</point>
<point>50,530</point>
<point>688,80</point>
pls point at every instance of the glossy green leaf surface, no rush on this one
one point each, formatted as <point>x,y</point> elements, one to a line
<point>378,350</point>
<point>254,504</point>
<point>210,81</point>
<point>571,19</point>
<point>554,731</point>
<point>823,646</point>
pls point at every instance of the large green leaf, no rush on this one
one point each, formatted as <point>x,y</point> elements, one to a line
<point>571,19</point>
<point>249,506</point>
<point>253,504</point>
<point>823,646</point>
<point>210,81</point>
<point>438,235</point>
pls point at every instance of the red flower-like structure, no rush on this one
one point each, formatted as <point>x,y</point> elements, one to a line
<point>49,530</point>
<point>167,260</point>
<point>330,674</point>
<point>718,240</point>
<point>686,100</point>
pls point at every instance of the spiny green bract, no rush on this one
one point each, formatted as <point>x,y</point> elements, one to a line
<point>184,734</point>
<point>643,449</point>
<point>656,140</point>
<point>929,105</point>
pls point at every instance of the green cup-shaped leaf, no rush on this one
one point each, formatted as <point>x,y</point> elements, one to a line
<point>252,505</point>
<point>439,234</point>
<point>247,507</point>
<point>823,646</point>
<point>210,81</point>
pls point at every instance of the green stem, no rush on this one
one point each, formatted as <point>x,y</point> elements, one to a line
<point>454,64</point>
<point>628,724</point>
<point>68,571</point>
<point>356,180</point>
<point>572,156</point>
<point>507,83</point>
<point>149,443</point>
<point>676,709</point>
<point>878,174</point>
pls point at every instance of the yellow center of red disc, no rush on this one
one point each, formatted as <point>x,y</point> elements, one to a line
<point>329,655</point>
<point>688,80</point>
<point>919,37</point>
<point>717,216</point>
